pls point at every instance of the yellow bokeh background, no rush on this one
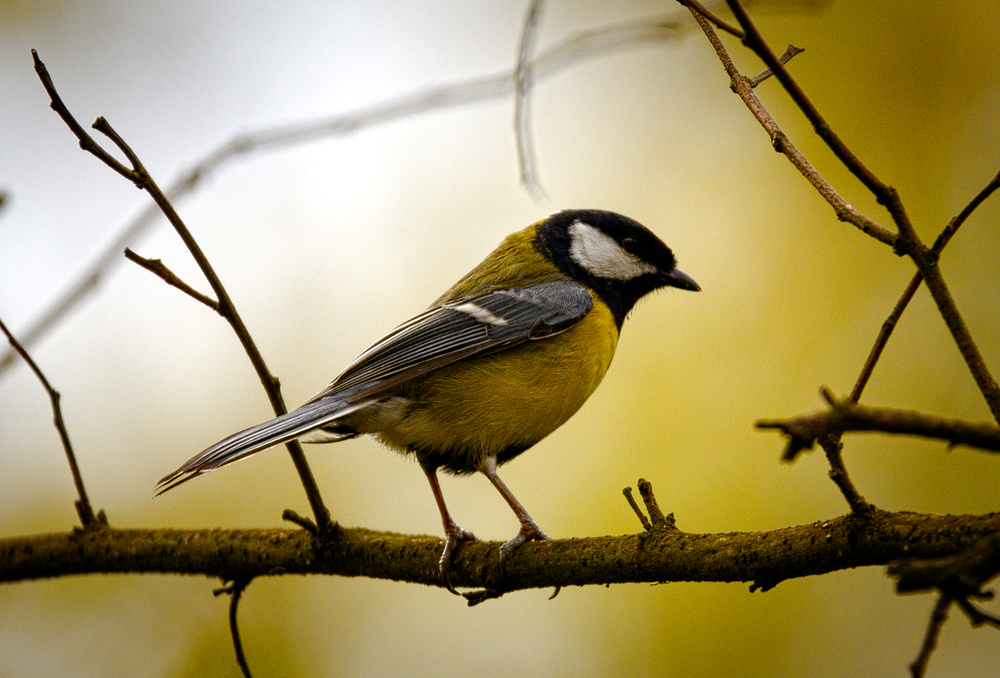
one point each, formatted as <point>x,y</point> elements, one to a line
<point>327,245</point>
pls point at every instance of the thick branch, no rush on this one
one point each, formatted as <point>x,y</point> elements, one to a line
<point>765,558</point>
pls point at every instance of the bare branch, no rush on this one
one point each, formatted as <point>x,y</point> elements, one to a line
<point>977,616</point>
<point>157,268</point>
<point>522,103</point>
<point>958,577</point>
<point>883,337</point>
<point>141,178</point>
<point>885,194</point>
<point>926,261</point>
<point>803,431</point>
<point>572,51</point>
<point>714,18</point>
<point>890,324</point>
<point>656,517</point>
<point>838,474</point>
<point>87,142</point>
<point>938,617</point>
<point>907,242</point>
<point>643,520</point>
<point>83,507</point>
<point>741,86</point>
<point>235,591</point>
<point>654,556</point>
<point>939,244</point>
<point>963,216</point>
<point>790,51</point>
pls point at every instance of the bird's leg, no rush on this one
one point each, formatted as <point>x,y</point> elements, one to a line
<point>529,528</point>
<point>453,533</point>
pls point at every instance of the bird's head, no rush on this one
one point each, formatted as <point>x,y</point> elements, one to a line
<point>617,257</point>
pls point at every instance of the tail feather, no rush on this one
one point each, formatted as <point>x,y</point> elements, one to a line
<point>260,437</point>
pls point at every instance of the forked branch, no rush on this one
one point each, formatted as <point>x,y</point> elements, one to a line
<point>138,175</point>
<point>743,87</point>
<point>803,431</point>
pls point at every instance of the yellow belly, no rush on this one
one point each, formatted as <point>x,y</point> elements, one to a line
<point>501,404</point>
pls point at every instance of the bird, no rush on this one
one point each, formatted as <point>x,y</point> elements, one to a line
<point>501,360</point>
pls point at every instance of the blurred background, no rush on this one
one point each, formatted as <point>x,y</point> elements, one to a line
<point>326,245</point>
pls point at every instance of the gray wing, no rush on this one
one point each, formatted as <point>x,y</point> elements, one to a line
<point>459,329</point>
<point>443,335</point>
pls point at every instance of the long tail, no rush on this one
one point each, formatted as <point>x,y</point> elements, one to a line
<point>260,437</point>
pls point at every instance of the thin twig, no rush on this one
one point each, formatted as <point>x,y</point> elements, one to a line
<point>646,525</point>
<point>87,142</point>
<point>522,103</point>
<point>570,52</point>
<point>714,18</point>
<point>841,478</point>
<point>883,337</point>
<point>927,263</point>
<point>975,615</point>
<point>885,194</point>
<point>959,219</point>
<point>83,507</point>
<point>741,86</point>
<point>790,51</point>
<point>141,178</point>
<point>938,617</point>
<point>235,591</point>
<point>159,269</point>
<point>656,517</point>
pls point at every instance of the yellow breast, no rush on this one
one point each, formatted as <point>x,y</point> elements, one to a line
<point>501,404</point>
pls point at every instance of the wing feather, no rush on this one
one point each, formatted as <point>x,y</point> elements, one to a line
<point>445,334</point>
<point>459,329</point>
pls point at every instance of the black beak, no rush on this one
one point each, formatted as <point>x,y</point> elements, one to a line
<point>680,279</point>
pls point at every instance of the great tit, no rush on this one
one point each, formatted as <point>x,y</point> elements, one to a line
<point>498,362</point>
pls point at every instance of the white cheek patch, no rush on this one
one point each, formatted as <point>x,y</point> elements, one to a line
<point>599,254</point>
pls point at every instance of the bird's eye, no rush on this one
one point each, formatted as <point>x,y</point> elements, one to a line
<point>630,244</point>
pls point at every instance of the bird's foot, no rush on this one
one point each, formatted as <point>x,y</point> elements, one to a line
<point>529,532</point>
<point>454,535</point>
